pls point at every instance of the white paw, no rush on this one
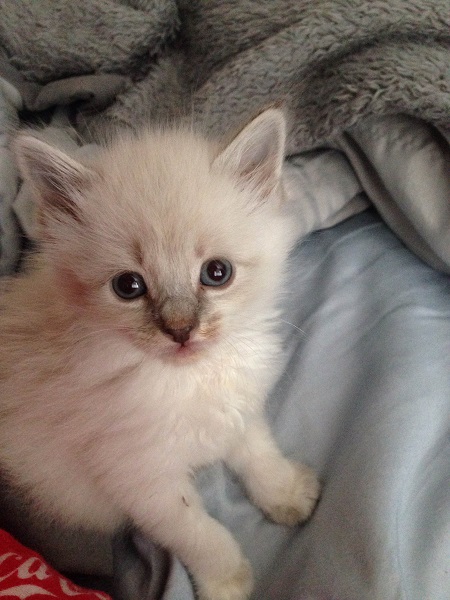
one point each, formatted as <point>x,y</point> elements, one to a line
<point>238,586</point>
<point>294,501</point>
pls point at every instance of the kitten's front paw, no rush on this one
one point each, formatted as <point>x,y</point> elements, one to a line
<point>296,499</point>
<point>238,586</point>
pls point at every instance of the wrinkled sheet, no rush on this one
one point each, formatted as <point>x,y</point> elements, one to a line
<point>365,399</point>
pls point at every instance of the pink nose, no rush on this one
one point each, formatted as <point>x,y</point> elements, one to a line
<point>180,336</point>
<point>177,316</point>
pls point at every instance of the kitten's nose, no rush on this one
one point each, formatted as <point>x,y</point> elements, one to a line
<point>177,317</point>
<point>180,336</point>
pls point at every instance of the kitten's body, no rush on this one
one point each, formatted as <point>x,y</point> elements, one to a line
<point>104,413</point>
<point>78,386</point>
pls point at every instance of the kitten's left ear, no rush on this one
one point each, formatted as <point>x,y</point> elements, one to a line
<point>57,179</point>
<point>256,154</point>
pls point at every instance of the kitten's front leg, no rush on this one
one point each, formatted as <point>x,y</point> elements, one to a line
<point>285,491</point>
<point>174,517</point>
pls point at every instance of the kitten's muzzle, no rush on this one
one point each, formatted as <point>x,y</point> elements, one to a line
<point>177,317</point>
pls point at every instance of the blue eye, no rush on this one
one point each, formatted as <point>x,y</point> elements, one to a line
<point>216,272</point>
<point>129,285</point>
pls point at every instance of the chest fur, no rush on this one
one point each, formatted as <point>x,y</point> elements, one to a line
<point>161,416</point>
<point>194,417</point>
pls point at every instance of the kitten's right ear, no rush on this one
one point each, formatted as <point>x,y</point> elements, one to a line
<point>255,156</point>
<point>57,179</point>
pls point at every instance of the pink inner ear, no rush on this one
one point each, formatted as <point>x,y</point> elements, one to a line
<point>57,178</point>
<point>262,176</point>
<point>256,154</point>
<point>57,201</point>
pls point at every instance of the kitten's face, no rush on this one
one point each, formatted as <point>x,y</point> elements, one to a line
<point>169,243</point>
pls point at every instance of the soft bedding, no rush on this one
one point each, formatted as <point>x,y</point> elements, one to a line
<point>365,397</point>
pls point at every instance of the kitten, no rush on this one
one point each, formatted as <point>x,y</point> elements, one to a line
<point>140,343</point>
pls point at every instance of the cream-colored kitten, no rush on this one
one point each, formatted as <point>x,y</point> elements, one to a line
<point>140,343</point>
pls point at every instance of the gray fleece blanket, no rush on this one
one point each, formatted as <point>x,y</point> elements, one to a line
<point>366,85</point>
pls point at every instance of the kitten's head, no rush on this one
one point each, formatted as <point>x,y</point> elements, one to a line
<point>170,240</point>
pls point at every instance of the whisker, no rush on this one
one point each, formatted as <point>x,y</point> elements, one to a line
<point>295,326</point>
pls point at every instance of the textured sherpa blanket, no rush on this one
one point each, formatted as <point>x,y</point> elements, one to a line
<point>332,62</point>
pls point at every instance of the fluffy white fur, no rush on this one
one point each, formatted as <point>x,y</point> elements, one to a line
<point>103,416</point>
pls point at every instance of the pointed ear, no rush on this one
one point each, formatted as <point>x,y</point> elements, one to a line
<point>57,179</point>
<point>256,154</point>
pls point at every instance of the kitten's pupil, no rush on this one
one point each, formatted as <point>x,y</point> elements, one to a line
<point>129,285</point>
<point>216,272</point>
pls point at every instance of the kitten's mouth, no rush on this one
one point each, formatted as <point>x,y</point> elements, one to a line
<point>186,351</point>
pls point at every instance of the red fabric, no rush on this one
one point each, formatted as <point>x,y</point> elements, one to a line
<point>25,574</point>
